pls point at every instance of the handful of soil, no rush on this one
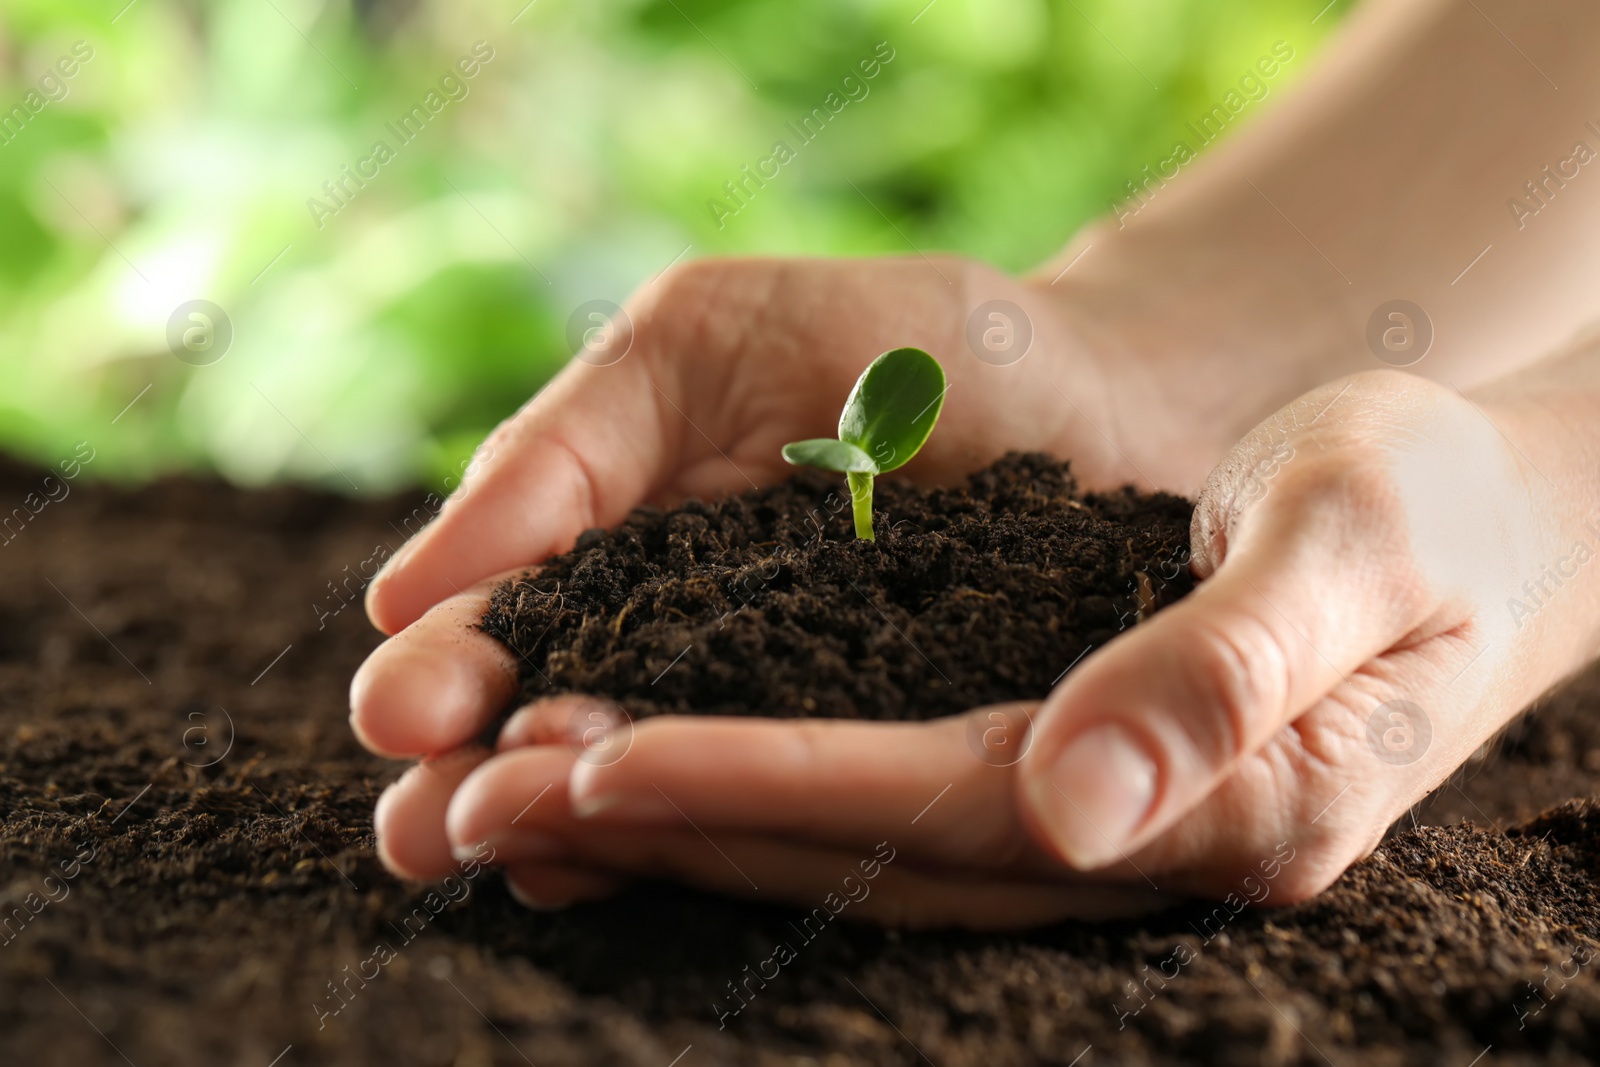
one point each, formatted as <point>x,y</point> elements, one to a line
<point>765,603</point>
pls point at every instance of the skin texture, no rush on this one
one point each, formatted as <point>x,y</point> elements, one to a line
<point>1365,535</point>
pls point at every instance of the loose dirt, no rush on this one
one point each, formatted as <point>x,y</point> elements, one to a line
<point>186,865</point>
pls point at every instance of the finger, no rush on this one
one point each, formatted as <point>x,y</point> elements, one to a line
<point>580,454</point>
<point>549,887</point>
<point>515,803</point>
<point>1149,726</point>
<point>931,786</point>
<point>410,817</point>
<point>865,884</point>
<point>542,872</point>
<point>572,719</point>
<point>436,684</point>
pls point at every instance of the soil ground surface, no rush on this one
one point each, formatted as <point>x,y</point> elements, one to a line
<point>187,873</point>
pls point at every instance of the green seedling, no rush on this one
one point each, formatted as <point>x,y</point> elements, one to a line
<point>886,419</point>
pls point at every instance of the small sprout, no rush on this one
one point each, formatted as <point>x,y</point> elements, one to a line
<point>886,419</point>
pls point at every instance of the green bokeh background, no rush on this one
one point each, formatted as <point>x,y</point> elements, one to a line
<point>375,350</point>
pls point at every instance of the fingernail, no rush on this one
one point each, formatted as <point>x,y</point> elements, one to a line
<point>386,859</point>
<point>385,572</point>
<point>586,800</point>
<point>366,742</point>
<point>1095,795</point>
<point>396,560</point>
<point>618,807</point>
<point>536,905</point>
<point>512,847</point>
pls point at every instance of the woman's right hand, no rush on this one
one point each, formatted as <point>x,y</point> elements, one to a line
<point>1392,570</point>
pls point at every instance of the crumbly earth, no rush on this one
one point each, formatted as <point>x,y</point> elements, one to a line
<point>767,604</point>
<point>228,886</point>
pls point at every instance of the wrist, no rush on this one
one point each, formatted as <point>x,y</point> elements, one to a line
<point>1551,608</point>
<point>1203,342</point>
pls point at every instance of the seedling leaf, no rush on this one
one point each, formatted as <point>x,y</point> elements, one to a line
<point>892,409</point>
<point>829,455</point>
<point>886,419</point>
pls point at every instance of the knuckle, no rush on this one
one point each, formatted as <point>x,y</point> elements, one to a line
<point>1306,878</point>
<point>811,744</point>
<point>1322,456</point>
<point>1239,672</point>
<point>1320,863</point>
<point>692,278</point>
<point>1355,476</point>
<point>715,283</point>
<point>705,306</point>
<point>1386,382</point>
<point>504,435</point>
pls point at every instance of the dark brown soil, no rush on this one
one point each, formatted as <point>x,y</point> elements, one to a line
<point>767,604</point>
<point>222,900</point>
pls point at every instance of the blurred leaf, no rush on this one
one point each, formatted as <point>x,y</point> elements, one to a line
<point>590,145</point>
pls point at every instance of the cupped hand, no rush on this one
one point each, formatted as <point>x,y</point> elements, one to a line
<point>714,368</point>
<point>1353,641</point>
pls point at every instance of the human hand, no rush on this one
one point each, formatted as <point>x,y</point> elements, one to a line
<point>1354,641</point>
<point>723,362</point>
<point>729,361</point>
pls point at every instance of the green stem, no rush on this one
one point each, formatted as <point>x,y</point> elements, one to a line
<point>861,502</point>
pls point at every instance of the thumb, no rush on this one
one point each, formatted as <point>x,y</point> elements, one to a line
<point>604,435</point>
<point>579,454</point>
<point>1146,729</point>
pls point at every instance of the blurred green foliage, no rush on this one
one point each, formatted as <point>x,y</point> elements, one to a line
<point>378,347</point>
